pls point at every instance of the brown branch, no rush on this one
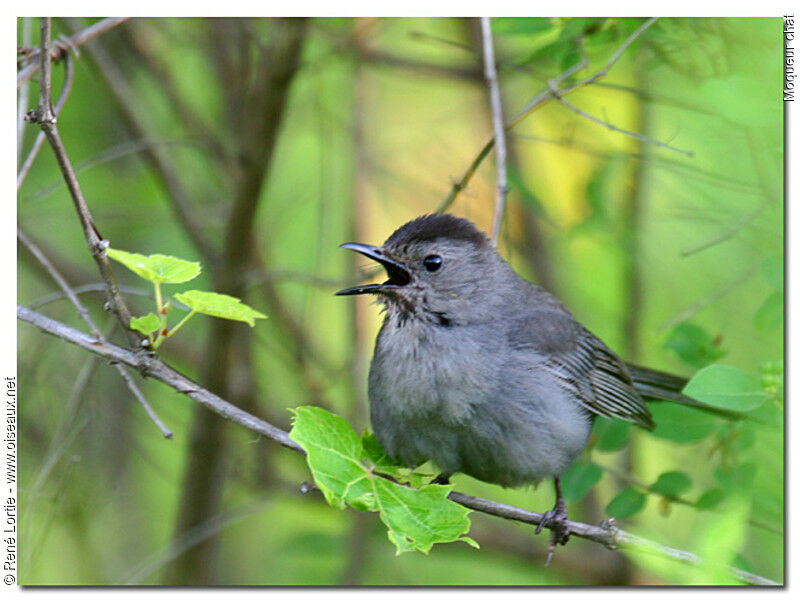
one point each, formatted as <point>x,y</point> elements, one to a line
<point>97,246</point>
<point>607,535</point>
<point>61,47</point>
<point>37,143</point>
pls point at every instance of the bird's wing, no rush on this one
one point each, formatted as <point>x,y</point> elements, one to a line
<point>582,364</point>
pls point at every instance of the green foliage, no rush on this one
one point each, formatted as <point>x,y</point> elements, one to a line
<point>681,424</point>
<point>578,480</point>
<point>710,499</point>
<point>219,306</point>
<point>347,469</point>
<point>626,503</point>
<point>672,484</point>
<point>146,324</point>
<point>164,269</point>
<point>511,26</point>
<point>726,387</point>
<point>610,434</point>
<point>693,345</point>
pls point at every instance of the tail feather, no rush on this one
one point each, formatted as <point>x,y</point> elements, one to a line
<point>654,385</point>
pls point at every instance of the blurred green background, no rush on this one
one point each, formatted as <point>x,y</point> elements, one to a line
<point>327,130</point>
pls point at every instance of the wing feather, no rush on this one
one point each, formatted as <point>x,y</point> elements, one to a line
<point>582,364</point>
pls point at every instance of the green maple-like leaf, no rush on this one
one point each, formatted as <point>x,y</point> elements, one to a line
<point>345,468</point>
<point>157,268</point>
<point>219,305</point>
<point>146,324</point>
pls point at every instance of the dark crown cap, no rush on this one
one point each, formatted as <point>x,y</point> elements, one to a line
<point>431,227</point>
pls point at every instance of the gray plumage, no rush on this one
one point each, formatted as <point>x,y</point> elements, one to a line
<point>479,370</point>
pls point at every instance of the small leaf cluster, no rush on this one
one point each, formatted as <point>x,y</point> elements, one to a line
<point>354,471</point>
<point>165,269</point>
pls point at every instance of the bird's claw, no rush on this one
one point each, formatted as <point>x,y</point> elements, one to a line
<point>556,520</point>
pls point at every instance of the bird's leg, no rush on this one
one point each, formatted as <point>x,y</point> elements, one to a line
<point>441,479</point>
<point>556,520</point>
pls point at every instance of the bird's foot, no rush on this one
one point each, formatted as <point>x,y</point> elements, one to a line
<point>556,520</point>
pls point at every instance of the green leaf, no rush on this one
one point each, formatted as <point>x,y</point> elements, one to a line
<point>157,268</point>
<point>611,434</point>
<point>220,306</point>
<point>769,316</point>
<point>726,387</point>
<point>627,503</point>
<point>710,499</point>
<point>146,324</point>
<point>579,479</point>
<point>672,483</point>
<point>693,345</point>
<point>736,477</point>
<point>512,26</point>
<point>680,423</point>
<point>343,467</point>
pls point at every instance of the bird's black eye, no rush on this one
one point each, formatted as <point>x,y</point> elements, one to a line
<point>432,263</point>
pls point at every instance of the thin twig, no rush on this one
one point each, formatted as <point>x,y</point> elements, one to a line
<point>62,47</point>
<point>536,102</point>
<point>100,287</point>
<point>40,137</point>
<point>97,246</point>
<point>609,535</point>
<point>84,314</point>
<point>614,128</point>
<point>490,70</point>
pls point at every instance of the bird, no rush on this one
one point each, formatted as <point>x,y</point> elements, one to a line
<point>485,373</point>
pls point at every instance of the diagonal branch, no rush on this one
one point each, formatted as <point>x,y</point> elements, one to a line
<point>97,246</point>
<point>607,535</point>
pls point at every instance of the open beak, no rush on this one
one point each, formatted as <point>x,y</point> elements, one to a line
<point>398,275</point>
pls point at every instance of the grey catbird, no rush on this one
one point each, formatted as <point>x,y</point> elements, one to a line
<point>485,373</point>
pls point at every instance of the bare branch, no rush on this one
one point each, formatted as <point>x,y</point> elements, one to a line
<point>94,242</point>
<point>84,314</point>
<point>37,143</point>
<point>607,535</point>
<point>612,127</point>
<point>150,366</point>
<point>490,70</point>
<point>62,47</point>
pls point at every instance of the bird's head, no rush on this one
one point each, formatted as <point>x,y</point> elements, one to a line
<point>441,269</point>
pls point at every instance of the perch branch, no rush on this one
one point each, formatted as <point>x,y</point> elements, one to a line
<point>609,536</point>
